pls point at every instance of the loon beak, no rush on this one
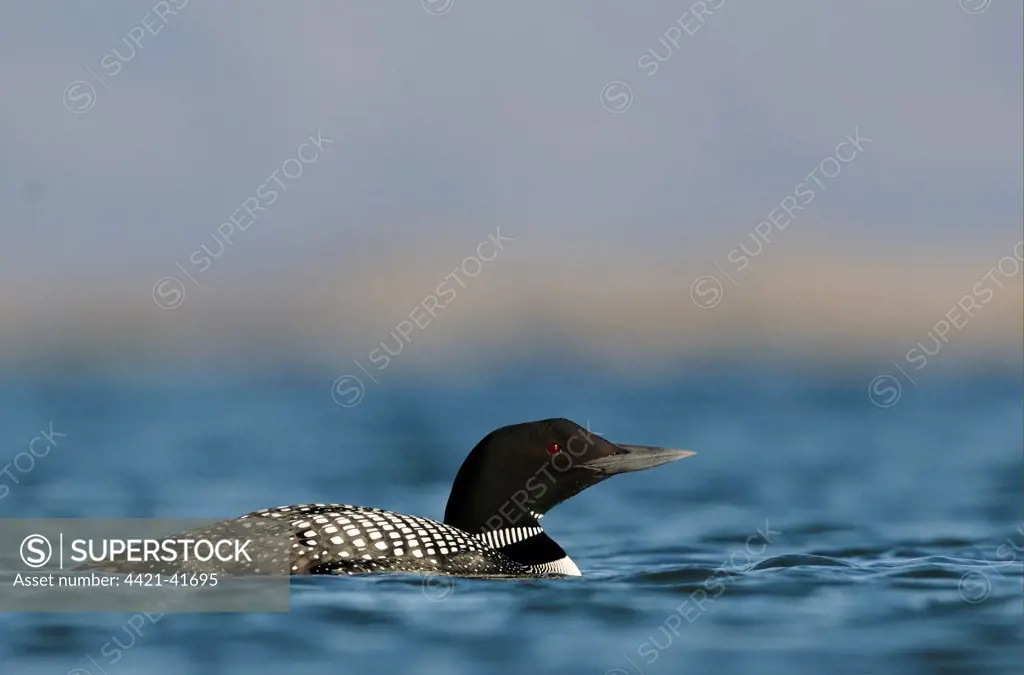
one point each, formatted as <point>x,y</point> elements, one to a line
<point>636,458</point>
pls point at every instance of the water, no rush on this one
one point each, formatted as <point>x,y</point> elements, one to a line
<point>813,533</point>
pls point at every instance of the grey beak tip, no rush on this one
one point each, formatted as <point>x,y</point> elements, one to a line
<point>637,458</point>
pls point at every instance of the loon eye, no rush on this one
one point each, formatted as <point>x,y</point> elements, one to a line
<point>554,449</point>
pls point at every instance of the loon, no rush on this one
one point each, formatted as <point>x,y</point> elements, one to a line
<point>491,527</point>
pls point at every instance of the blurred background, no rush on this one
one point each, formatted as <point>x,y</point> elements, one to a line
<point>262,253</point>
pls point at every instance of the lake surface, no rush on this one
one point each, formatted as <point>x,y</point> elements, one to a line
<point>815,532</point>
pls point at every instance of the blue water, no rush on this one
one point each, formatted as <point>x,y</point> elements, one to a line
<point>814,532</point>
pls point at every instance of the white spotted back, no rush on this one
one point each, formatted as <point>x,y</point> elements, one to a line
<point>346,539</point>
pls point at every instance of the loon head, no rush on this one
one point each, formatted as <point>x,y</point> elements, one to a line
<point>517,473</point>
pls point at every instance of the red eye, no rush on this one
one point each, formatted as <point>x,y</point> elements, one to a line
<point>554,449</point>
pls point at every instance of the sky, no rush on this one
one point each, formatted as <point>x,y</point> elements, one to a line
<point>627,155</point>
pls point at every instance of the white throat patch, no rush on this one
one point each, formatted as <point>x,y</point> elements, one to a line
<point>561,566</point>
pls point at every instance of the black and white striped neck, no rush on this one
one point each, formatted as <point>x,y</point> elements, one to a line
<point>531,546</point>
<point>509,536</point>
